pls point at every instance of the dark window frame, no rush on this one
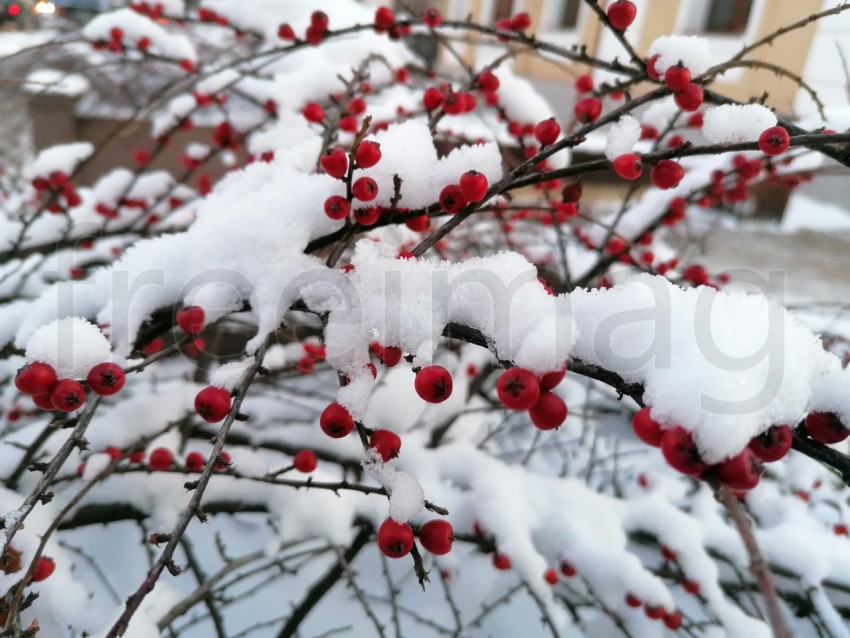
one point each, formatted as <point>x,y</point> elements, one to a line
<point>728,16</point>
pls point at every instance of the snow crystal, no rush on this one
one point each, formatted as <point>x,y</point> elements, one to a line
<point>73,346</point>
<point>63,157</point>
<point>736,123</point>
<point>692,51</point>
<point>94,465</point>
<point>622,137</point>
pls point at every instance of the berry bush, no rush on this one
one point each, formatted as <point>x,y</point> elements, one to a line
<point>385,357</point>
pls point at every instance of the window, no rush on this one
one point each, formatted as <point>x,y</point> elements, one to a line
<point>569,14</point>
<point>502,9</point>
<point>728,16</point>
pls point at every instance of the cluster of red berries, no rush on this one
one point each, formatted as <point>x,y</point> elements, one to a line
<point>451,102</point>
<point>396,539</point>
<point>162,459</point>
<point>519,22</point>
<point>521,389</point>
<point>687,95</point>
<point>210,16</point>
<point>153,10</point>
<point>672,619</point>
<point>11,563</point>
<point>385,22</point>
<point>116,42</point>
<point>313,354</point>
<point>57,187</point>
<point>314,34</point>
<point>742,471</point>
<point>471,188</point>
<point>48,392</point>
<point>335,162</point>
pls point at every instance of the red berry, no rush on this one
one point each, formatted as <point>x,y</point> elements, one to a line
<point>628,166</point>
<point>432,18</point>
<point>621,14</point>
<point>667,174</point>
<point>473,186</point>
<point>588,109</point>
<point>436,536</point>
<point>500,561</point>
<point>550,576</point>
<point>195,462</point>
<point>389,355</point>
<point>825,427</point>
<point>633,601</point>
<point>348,124</point>
<point>547,131</point>
<point>68,395</point>
<point>368,154</point>
<point>651,71</point>
<point>337,207</point>
<point>304,461</point>
<point>840,529</point>
<point>44,401</point>
<point>187,65</point>
<point>741,472</point>
<point>647,429</point>
<point>395,539</point>
<point>313,112</point>
<point>774,140</point>
<point>285,32</point>
<point>106,378</point>
<point>549,412</point>
<point>365,189</point>
<point>551,380</point>
<point>154,346</point>
<point>654,612</point>
<point>384,19</point>
<point>520,22</point>
<point>433,384</point>
<point>36,378</point>
<point>691,586</point>
<point>43,568</point>
<point>584,84</point>
<point>518,389</point>
<point>314,35</point>
<point>319,19</point>
<point>419,223</point>
<point>690,98</point>
<point>190,319</point>
<point>335,163</point>
<point>772,444</point>
<point>677,77</point>
<point>673,619</point>
<point>367,216</point>
<point>387,444</point>
<point>568,569</point>
<point>336,421</point>
<point>488,82</point>
<point>356,106</point>
<point>161,459</point>
<point>680,451</point>
<point>306,365</point>
<point>432,98</point>
<point>212,404</point>
<point>451,199</point>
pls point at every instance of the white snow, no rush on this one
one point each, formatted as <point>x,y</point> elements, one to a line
<point>692,51</point>
<point>736,123</point>
<point>73,346</point>
<point>622,137</point>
